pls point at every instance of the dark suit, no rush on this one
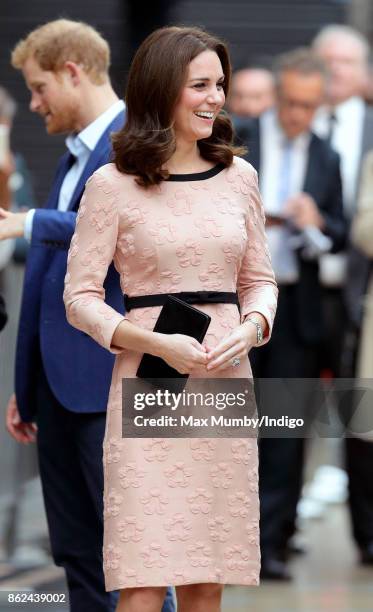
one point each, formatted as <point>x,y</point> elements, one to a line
<point>3,315</point>
<point>67,356</point>
<point>297,333</point>
<point>62,381</point>
<point>342,305</point>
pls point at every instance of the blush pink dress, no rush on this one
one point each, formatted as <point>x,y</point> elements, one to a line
<point>177,511</point>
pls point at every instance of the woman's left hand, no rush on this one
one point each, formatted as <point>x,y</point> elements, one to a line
<point>236,345</point>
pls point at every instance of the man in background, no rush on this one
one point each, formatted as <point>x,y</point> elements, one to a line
<point>252,92</point>
<point>347,122</point>
<point>301,188</point>
<point>62,376</point>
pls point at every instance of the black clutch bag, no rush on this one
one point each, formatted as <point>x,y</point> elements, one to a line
<point>176,317</point>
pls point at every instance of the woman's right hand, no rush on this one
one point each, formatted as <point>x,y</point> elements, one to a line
<point>181,352</point>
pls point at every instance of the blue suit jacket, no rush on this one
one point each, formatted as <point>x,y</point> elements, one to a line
<point>78,370</point>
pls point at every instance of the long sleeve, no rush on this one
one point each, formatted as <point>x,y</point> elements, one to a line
<point>52,228</point>
<point>362,227</point>
<point>256,285</point>
<point>90,255</point>
<point>335,222</point>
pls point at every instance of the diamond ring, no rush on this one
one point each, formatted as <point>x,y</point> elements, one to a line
<point>235,362</point>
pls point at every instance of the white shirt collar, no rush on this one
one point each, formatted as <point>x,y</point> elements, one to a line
<point>271,122</point>
<point>88,138</point>
<point>352,105</point>
<point>345,113</point>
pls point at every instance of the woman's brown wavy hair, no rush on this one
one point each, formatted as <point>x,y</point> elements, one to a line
<point>157,75</point>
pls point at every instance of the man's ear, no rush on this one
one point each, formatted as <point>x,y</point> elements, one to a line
<point>74,72</point>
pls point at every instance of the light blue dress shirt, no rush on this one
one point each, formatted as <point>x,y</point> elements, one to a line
<point>81,146</point>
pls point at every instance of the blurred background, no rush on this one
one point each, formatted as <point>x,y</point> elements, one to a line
<point>326,575</point>
<point>255,31</point>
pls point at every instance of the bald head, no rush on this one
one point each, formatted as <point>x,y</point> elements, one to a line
<point>252,92</point>
<point>345,52</point>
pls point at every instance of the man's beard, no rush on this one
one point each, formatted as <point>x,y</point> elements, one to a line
<point>63,121</point>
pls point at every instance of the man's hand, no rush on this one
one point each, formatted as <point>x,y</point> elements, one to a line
<point>19,430</point>
<point>303,211</point>
<point>12,225</point>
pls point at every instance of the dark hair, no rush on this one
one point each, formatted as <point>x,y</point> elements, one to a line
<point>301,60</point>
<point>157,75</point>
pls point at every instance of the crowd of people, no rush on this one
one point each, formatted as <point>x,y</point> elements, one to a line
<point>313,155</point>
<point>307,134</point>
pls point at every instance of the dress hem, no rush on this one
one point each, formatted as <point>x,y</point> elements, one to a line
<point>175,584</point>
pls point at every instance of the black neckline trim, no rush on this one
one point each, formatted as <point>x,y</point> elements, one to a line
<point>197,176</point>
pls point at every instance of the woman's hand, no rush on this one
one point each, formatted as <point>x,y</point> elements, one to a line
<point>236,345</point>
<point>181,352</point>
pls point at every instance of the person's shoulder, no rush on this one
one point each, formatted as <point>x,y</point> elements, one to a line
<point>244,124</point>
<point>108,176</point>
<point>241,176</point>
<point>244,167</point>
<point>246,130</point>
<point>109,171</point>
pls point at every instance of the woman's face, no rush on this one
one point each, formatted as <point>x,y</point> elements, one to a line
<point>201,99</point>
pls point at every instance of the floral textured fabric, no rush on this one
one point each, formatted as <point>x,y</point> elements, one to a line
<point>176,511</point>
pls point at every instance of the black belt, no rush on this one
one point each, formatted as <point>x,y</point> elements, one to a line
<point>191,297</point>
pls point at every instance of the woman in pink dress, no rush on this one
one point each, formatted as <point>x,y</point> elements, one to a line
<point>176,211</point>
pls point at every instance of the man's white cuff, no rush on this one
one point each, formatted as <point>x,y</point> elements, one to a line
<point>28,224</point>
